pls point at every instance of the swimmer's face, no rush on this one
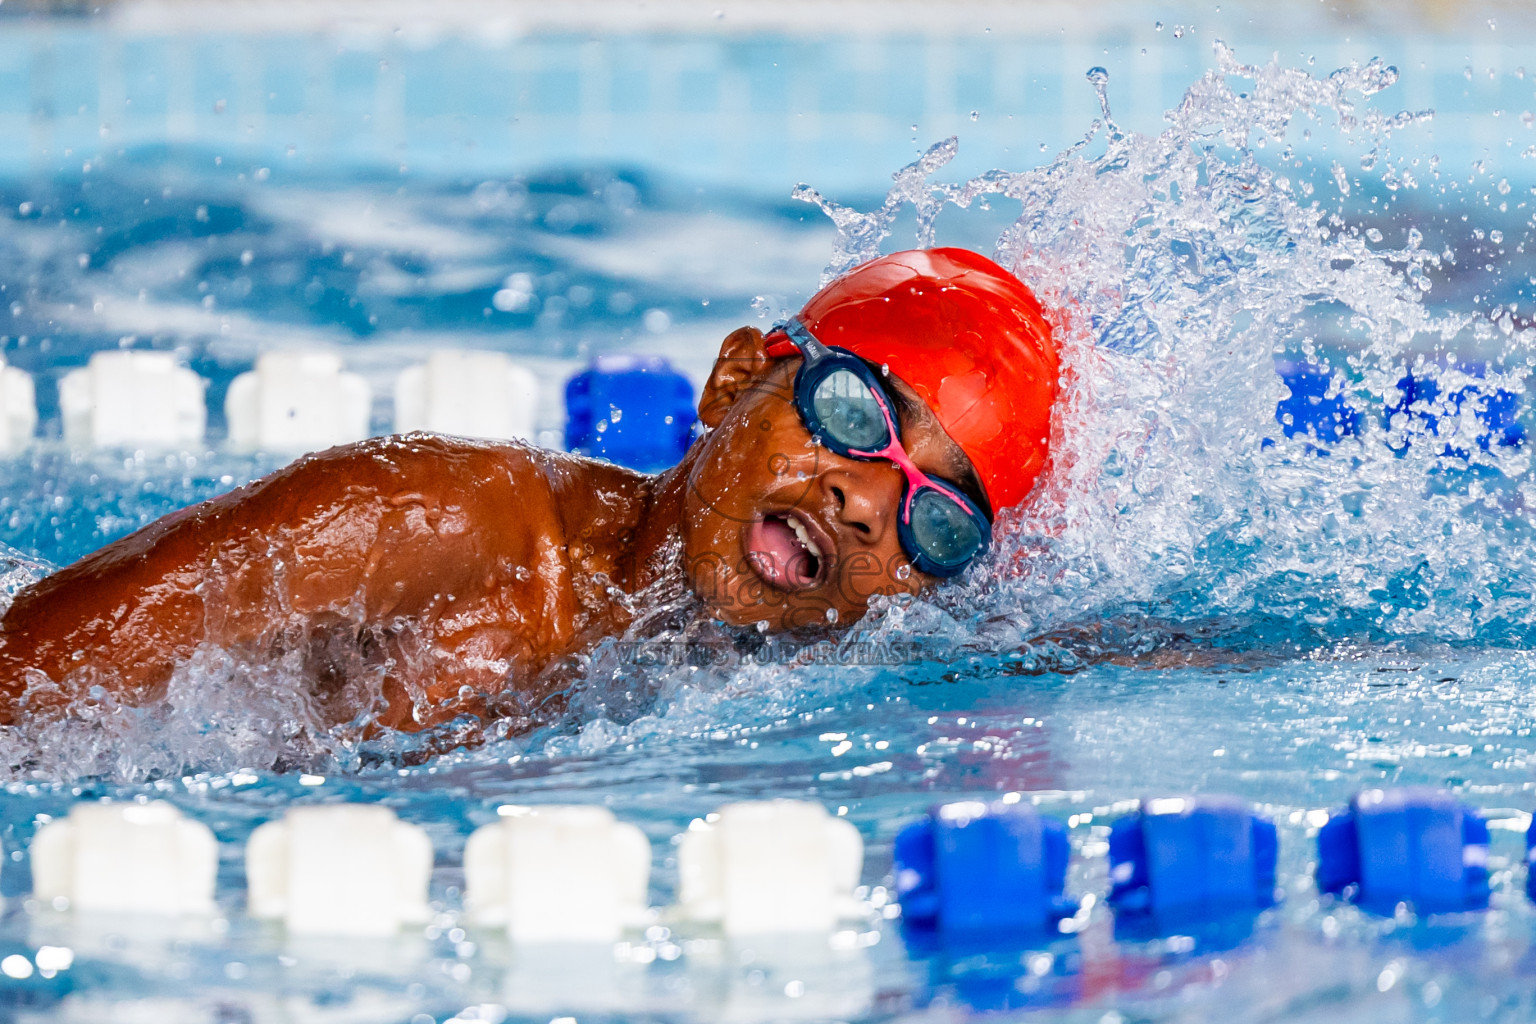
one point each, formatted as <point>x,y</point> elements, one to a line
<point>779,530</point>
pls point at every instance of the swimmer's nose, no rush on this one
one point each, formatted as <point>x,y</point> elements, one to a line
<point>864,502</point>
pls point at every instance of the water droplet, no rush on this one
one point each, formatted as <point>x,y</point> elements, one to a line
<point>903,572</point>
<point>1340,179</point>
<point>1158,26</point>
<point>831,614</point>
<point>1098,75</point>
<point>975,115</point>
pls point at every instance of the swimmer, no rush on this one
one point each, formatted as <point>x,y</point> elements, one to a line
<point>861,448</point>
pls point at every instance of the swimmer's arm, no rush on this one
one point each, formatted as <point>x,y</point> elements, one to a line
<point>1146,644</point>
<point>389,529</point>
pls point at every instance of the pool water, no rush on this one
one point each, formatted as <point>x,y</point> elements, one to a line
<point>1199,600</point>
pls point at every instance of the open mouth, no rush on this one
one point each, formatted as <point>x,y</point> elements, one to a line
<point>785,552</point>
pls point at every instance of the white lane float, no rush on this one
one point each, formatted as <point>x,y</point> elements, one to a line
<point>769,866</point>
<point>127,399</point>
<point>558,874</point>
<point>142,858</point>
<point>295,402</point>
<point>18,408</point>
<point>339,869</point>
<point>468,393</point>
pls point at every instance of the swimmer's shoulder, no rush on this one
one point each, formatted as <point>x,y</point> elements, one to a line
<point>444,468</point>
<point>399,458</point>
<point>484,480</point>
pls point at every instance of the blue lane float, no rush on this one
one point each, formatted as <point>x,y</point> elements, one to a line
<point>1530,859</point>
<point>636,411</point>
<point>1310,410</point>
<point>1320,409</point>
<point>973,867</point>
<point>1412,845</point>
<point>1422,407</point>
<point>1185,857</point>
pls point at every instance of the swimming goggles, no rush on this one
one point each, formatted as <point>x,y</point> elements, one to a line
<point>847,410</point>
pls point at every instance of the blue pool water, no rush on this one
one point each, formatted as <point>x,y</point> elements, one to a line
<point>1203,599</point>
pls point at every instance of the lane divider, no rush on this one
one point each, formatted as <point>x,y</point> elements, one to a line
<point>558,874</point>
<point>576,874</point>
<point>470,394</point>
<point>144,858</point>
<point>1411,845</point>
<point>769,866</point>
<point>18,408</point>
<point>339,869</point>
<point>972,866</point>
<point>1178,857</point>
<point>297,402</point>
<point>133,400</point>
<point>635,410</point>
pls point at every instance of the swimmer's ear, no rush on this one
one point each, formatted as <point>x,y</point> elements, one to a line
<point>742,358</point>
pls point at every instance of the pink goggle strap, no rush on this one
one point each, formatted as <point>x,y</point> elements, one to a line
<point>916,478</point>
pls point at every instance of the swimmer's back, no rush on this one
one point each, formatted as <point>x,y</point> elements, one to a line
<point>463,545</point>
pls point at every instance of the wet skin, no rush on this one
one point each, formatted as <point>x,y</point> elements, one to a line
<point>458,571</point>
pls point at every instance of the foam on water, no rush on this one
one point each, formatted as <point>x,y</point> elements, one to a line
<point>1178,515</point>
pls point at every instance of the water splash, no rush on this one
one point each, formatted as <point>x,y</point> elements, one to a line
<point>18,571</point>
<point>1177,269</point>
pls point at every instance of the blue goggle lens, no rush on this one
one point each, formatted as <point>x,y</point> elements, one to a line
<point>849,412</point>
<point>943,530</point>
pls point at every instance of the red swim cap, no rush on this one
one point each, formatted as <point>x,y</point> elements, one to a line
<point>969,338</point>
